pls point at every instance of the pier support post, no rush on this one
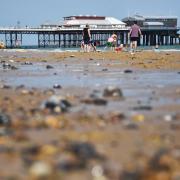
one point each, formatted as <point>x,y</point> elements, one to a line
<point>13,40</point>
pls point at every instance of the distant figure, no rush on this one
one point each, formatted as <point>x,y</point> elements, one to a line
<point>82,45</point>
<point>156,48</point>
<point>2,45</point>
<point>134,34</point>
<point>86,38</point>
<point>119,48</point>
<point>94,44</point>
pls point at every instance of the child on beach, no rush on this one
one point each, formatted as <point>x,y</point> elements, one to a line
<point>2,45</point>
<point>119,48</point>
<point>112,42</point>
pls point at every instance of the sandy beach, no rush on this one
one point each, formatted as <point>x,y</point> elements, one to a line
<point>95,116</point>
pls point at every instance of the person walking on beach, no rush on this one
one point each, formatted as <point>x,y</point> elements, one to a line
<point>135,33</point>
<point>86,38</point>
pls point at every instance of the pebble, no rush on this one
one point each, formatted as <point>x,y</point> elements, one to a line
<point>168,118</point>
<point>97,171</point>
<point>52,122</point>
<point>130,175</point>
<point>24,91</point>
<point>112,91</point>
<point>11,60</point>
<point>4,120</point>
<point>117,116</point>
<point>130,125</point>
<point>138,117</point>
<point>48,150</point>
<point>40,170</point>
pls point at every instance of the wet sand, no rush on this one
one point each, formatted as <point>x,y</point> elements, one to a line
<point>101,115</point>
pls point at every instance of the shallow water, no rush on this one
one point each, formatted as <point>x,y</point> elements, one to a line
<point>76,49</point>
<point>88,75</point>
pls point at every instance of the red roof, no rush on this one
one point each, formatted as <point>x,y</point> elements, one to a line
<point>85,17</point>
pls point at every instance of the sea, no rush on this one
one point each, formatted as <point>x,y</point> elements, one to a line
<point>34,48</point>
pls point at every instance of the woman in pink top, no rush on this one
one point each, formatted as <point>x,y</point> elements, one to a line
<point>134,34</point>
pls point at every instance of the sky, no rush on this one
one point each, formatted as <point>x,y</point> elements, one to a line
<point>35,12</point>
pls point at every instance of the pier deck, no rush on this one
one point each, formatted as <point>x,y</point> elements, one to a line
<point>72,37</point>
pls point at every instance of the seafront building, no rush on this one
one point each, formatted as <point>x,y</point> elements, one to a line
<point>95,22</point>
<point>160,30</point>
<point>152,21</point>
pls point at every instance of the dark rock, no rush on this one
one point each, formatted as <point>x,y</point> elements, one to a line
<point>2,62</point>
<point>31,150</point>
<point>57,104</point>
<point>69,163</point>
<point>4,120</point>
<point>27,63</point>
<point>6,66</point>
<point>14,68</point>
<point>105,69</point>
<point>128,71</point>
<point>9,66</point>
<point>117,116</point>
<point>20,86</point>
<point>83,150</point>
<point>155,162</point>
<point>57,86</point>
<point>49,67</point>
<point>142,108</point>
<point>131,175</point>
<point>130,125</point>
<point>96,101</point>
<point>5,86</point>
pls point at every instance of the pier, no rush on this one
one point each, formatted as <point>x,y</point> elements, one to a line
<point>72,37</point>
